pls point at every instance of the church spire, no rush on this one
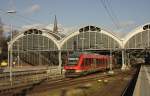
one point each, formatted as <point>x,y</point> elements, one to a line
<point>55,28</point>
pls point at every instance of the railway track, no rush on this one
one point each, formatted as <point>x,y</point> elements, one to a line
<point>66,82</point>
<point>21,81</point>
<point>123,86</point>
<point>59,82</point>
<point>35,85</point>
<point>19,73</point>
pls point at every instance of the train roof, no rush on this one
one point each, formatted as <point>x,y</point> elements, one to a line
<point>94,55</point>
<point>86,54</point>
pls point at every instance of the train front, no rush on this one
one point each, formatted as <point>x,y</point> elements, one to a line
<point>72,68</point>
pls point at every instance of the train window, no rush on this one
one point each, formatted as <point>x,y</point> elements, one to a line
<point>94,61</point>
<point>104,61</point>
<point>107,61</point>
<point>72,61</point>
<point>89,61</point>
<point>86,62</point>
<point>98,61</point>
<point>101,61</point>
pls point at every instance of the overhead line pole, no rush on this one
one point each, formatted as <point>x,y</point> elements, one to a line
<point>10,49</point>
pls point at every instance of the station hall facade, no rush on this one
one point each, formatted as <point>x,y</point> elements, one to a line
<point>38,45</point>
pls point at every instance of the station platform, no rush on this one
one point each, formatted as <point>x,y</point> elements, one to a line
<point>142,87</point>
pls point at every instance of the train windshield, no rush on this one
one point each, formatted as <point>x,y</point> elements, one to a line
<point>72,61</point>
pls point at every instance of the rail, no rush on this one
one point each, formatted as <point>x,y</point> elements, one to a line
<point>129,89</point>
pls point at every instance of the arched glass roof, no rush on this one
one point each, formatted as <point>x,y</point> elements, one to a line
<point>90,38</point>
<point>35,37</point>
<point>139,38</point>
<point>32,44</point>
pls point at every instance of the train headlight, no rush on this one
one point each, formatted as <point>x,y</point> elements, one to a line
<point>78,70</point>
<point>64,70</point>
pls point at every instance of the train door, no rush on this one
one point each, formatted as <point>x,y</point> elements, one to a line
<point>82,62</point>
<point>113,62</point>
<point>86,63</point>
<point>108,63</point>
<point>97,62</point>
<point>105,63</point>
<point>94,63</point>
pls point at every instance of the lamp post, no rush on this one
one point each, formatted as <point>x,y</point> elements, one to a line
<point>18,57</point>
<point>60,62</point>
<point>10,58</point>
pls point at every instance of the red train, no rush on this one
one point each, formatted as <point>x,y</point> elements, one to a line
<point>85,63</point>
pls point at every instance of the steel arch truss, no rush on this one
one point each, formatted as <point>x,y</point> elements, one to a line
<point>34,47</point>
<point>139,38</point>
<point>90,38</point>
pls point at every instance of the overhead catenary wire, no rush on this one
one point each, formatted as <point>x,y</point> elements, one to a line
<point>108,2</point>
<point>110,13</point>
<point>29,20</point>
<point>26,20</point>
<point>8,26</point>
<point>13,24</point>
<point>13,8</point>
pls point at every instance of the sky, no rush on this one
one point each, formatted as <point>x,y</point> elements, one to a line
<point>127,14</point>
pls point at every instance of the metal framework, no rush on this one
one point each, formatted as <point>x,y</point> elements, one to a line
<point>91,39</point>
<point>137,43</point>
<point>34,47</point>
<point>138,38</point>
<point>38,46</point>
